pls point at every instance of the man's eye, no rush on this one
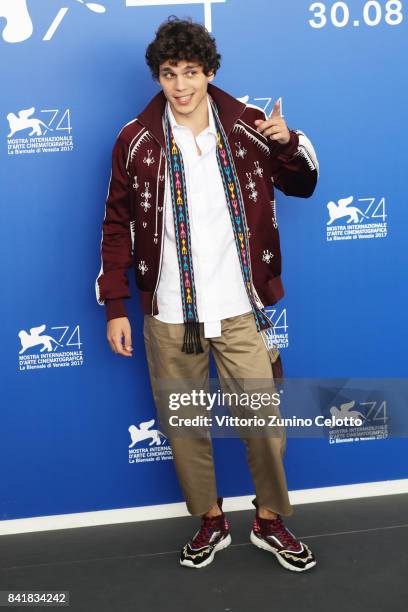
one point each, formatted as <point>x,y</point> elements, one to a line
<point>170,75</point>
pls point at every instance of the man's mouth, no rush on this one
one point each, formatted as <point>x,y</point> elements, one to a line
<point>184,99</point>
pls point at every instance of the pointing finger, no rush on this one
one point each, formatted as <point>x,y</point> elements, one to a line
<point>277,109</point>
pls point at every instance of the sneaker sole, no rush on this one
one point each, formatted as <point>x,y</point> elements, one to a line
<point>261,544</point>
<point>222,544</point>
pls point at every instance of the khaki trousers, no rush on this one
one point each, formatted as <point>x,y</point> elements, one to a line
<point>240,354</point>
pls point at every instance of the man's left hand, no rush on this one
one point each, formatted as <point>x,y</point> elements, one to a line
<point>275,127</point>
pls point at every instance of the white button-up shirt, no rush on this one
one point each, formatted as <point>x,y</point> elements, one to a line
<point>220,288</point>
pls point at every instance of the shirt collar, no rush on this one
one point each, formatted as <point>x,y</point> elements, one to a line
<point>210,128</point>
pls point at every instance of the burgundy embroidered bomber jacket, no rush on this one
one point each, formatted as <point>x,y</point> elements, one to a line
<point>133,226</point>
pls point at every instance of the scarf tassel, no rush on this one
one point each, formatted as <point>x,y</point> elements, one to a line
<point>191,342</point>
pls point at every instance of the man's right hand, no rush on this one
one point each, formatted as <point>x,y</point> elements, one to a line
<point>119,330</point>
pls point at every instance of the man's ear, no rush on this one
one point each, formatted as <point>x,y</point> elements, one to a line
<point>210,76</point>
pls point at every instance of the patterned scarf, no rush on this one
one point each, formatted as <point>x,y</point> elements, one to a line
<point>191,342</point>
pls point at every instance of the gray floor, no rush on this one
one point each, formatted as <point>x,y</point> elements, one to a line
<point>361,548</point>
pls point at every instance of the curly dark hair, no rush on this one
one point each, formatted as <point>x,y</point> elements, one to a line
<point>182,39</point>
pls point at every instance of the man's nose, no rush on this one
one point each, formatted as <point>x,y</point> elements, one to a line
<point>180,82</point>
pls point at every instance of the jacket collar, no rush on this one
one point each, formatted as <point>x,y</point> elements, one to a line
<point>229,110</point>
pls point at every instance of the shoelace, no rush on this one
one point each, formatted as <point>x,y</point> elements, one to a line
<point>209,525</point>
<point>277,528</point>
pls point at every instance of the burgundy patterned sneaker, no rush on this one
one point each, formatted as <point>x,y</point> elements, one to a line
<point>212,536</point>
<point>272,535</point>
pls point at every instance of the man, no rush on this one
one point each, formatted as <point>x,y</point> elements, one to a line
<point>191,208</point>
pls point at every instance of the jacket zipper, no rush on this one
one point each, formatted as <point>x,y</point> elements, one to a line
<point>253,290</point>
<point>163,221</point>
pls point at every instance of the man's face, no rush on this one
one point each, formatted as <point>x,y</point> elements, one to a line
<point>184,85</point>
